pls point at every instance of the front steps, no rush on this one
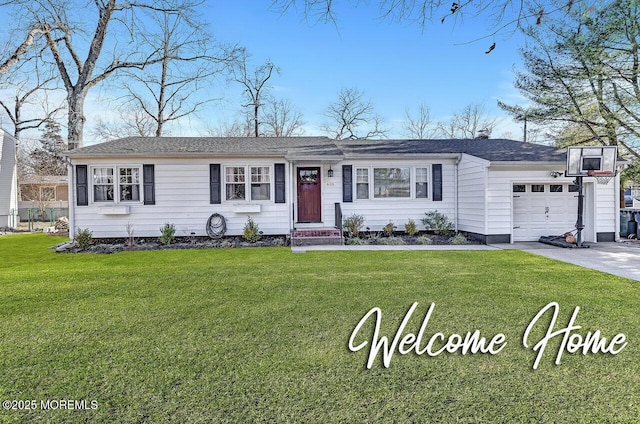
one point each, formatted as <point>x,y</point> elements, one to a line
<point>316,237</point>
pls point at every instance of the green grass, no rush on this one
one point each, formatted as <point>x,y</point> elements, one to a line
<point>260,335</point>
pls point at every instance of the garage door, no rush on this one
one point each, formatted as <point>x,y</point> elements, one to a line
<point>543,210</point>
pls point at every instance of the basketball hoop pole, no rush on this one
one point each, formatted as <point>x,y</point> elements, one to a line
<point>580,222</point>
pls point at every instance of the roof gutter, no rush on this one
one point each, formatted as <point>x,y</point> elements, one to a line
<point>385,156</point>
<point>531,162</point>
<point>333,158</point>
<point>167,155</point>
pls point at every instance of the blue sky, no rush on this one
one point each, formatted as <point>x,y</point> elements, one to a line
<point>396,65</point>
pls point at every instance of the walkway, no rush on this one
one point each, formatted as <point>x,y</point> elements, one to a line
<point>622,259</point>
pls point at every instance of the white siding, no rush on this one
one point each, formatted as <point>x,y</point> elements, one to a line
<point>8,180</point>
<point>472,189</point>
<point>331,194</point>
<point>379,212</point>
<point>600,208</point>
<point>500,195</point>
<point>182,198</point>
<point>606,206</point>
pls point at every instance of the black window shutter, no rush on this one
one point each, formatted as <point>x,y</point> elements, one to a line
<point>215,188</point>
<point>148,179</point>
<point>82,186</point>
<point>278,169</point>
<point>436,170</point>
<point>347,183</point>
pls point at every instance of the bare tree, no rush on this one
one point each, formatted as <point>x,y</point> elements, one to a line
<point>87,52</point>
<point>31,80</point>
<point>505,14</point>
<point>173,87</point>
<point>281,120</point>
<point>131,122</point>
<point>471,122</point>
<point>419,126</point>
<point>241,126</point>
<point>255,88</point>
<point>353,117</point>
<point>23,47</point>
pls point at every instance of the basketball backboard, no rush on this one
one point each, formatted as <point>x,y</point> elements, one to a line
<point>583,160</point>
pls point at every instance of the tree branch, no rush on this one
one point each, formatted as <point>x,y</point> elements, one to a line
<point>22,48</point>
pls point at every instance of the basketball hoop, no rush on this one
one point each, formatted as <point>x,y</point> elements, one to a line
<point>602,177</point>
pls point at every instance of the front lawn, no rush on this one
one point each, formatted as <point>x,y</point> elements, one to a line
<point>261,335</point>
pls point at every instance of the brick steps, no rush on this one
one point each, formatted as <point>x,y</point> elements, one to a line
<point>316,236</point>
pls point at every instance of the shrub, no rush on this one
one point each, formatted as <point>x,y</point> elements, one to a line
<point>389,229</point>
<point>438,222</point>
<point>130,232</point>
<point>353,225</point>
<point>83,238</point>
<point>226,244</point>
<point>167,233</point>
<point>458,239</point>
<point>355,241</point>
<point>279,242</point>
<point>411,228</point>
<point>392,241</point>
<point>373,236</point>
<point>424,240</point>
<point>251,232</point>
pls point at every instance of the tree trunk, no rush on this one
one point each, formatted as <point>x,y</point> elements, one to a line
<point>75,103</point>
<point>17,128</point>
<point>255,119</point>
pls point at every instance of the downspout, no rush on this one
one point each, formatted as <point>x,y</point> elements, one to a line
<point>616,208</point>
<point>455,188</point>
<point>72,200</point>
<point>290,200</point>
<point>14,214</point>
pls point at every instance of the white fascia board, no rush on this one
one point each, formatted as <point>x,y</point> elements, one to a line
<point>404,156</point>
<point>75,158</point>
<point>312,158</point>
<point>527,163</point>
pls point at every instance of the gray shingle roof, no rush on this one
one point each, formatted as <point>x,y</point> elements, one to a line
<point>499,150</point>
<point>223,146</point>
<point>320,147</point>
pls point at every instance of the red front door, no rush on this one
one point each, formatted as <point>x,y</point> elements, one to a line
<point>309,203</point>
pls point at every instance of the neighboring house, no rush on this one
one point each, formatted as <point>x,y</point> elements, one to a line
<point>42,196</point>
<point>8,181</point>
<point>494,190</point>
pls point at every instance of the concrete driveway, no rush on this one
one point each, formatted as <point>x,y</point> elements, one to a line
<point>621,258</point>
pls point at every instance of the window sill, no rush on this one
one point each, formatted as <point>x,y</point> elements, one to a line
<point>114,210</point>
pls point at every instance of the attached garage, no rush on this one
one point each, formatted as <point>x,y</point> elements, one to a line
<point>543,209</point>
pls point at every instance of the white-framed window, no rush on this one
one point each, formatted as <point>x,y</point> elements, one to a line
<point>129,184</point>
<point>260,182</point>
<point>255,188</point>
<point>400,182</point>
<point>422,183</point>
<point>391,183</point>
<point>235,182</point>
<point>362,183</point>
<point>103,185</point>
<point>115,184</point>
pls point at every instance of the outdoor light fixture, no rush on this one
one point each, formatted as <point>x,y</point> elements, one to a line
<point>555,174</point>
<point>330,172</point>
